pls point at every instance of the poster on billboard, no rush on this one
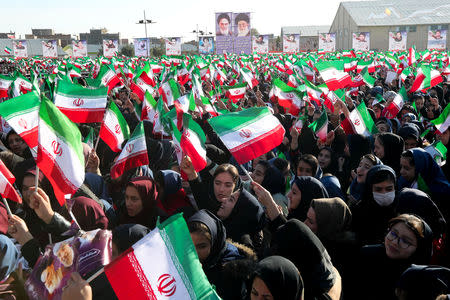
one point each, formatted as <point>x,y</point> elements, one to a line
<point>141,47</point>
<point>437,39</point>
<point>261,44</point>
<point>291,43</point>
<point>49,48</point>
<point>327,42</point>
<point>397,40</point>
<point>206,45</point>
<point>233,33</point>
<point>241,29</point>
<point>20,48</point>
<point>173,46</point>
<point>224,33</point>
<point>110,48</point>
<point>361,41</point>
<point>79,48</point>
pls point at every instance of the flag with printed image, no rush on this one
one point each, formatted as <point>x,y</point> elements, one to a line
<point>114,129</point>
<point>60,153</point>
<point>80,104</point>
<point>134,153</point>
<point>7,180</point>
<point>248,133</point>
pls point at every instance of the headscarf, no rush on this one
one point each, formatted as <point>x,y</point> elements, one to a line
<point>281,277</point>
<point>393,149</point>
<point>126,235</point>
<point>89,214</point>
<point>359,145</point>
<point>296,242</point>
<point>9,255</point>
<point>310,188</point>
<point>174,197</point>
<point>97,185</point>
<point>274,180</point>
<point>148,194</point>
<point>333,186</point>
<point>333,217</point>
<point>218,236</point>
<point>425,282</point>
<point>357,188</point>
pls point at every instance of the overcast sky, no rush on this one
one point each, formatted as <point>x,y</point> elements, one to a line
<point>173,17</point>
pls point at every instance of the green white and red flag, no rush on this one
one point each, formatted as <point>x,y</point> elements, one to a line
<point>405,73</point>
<point>361,121</point>
<point>438,151</point>
<point>235,92</point>
<point>369,80</point>
<point>287,97</point>
<point>21,85</point>
<point>89,138</point>
<point>153,112</point>
<point>350,64</point>
<point>114,129</point>
<point>172,271</point>
<point>60,153</point>
<point>134,153</point>
<point>396,105</point>
<point>314,93</point>
<point>426,78</point>
<point>443,121</point>
<point>413,56</point>
<point>333,74</point>
<point>169,91</point>
<point>108,77</point>
<point>320,126</point>
<point>80,104</point>
<point>192,141</point>
<point>22,114</point>
<point>7,50</point>
<point>370,65</point>
<point>5,84</point>
<point>248,77</point>
<point>7,189</point>
<point>248,133</point>
<point>143,81</point>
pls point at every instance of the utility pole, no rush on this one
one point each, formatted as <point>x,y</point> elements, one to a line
<point>145,22</point>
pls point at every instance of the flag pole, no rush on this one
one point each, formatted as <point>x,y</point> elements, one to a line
<point>36,179</point>
<point>96,143</point>
<point>7,206</point>
<point>95,275</point>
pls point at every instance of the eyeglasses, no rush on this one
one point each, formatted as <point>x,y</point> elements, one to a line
<point>402,243</point>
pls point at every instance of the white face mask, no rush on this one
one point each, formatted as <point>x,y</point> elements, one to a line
<point>384,199</point>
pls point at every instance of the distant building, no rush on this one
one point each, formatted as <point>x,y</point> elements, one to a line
<point>48,34</point>
<point>309,35</point>
<point>416,17</point>
<point>96,36</point>
<point>7,35</point>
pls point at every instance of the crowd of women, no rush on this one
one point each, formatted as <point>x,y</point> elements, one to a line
<point>352,217</point>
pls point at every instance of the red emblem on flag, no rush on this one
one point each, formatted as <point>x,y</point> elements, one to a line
<point>186,134</point>
<point>117,128</point>
<point>130,148</point>
<point>166,285</point>
<point>57,148</point>
<point>78,102</point>
<point>236,92</point>
<point>245,133</point>
<point>289,95</point>
<point>23,123</point>
<point>357,122</point>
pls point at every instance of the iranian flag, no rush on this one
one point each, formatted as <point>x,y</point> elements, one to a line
<point>169,91</point>
<point>349,64</point>
<point>143,81</point>
<point>153,111</point>
<point>248,133</point>
<point>22,114</point>
<point>369,80</point>
<point>236,91</point>
<point>80,104</point>
<point>314,93</point>
<point>172,271</point>
<point>21,85</point>
<point>192,141</point>
<point>396,105</point>
<point>114,130</point>
<point>7,50</point>
<point>133,155</point>
<point>288,97</point>
<point>108,77</point>
<point>413,56</point>
<point>186,102</point>
<point>365,64</point>
<point>426,78</point>
<point>320,126</point>
<point>5,83</point>
<point>361,120</point>
<point>7,189</point>
<point>60,153</point>
<point>438,151</point>
<point>333,74</point>
<point>248,77</point>
<point>443,121</point>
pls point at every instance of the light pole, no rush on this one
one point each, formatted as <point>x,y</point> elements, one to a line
<point>145,22</point>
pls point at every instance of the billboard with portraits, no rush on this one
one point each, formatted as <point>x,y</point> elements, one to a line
<point>437,39</point>
<point>260,44</point>
<point>397,40</point>
<point>49,48</point>
<point>327,42</point>
<point>141,47</point>
<point>173,46</point>
<point>291,43</point>
<point>79,48</point>
<point>206,45</point>
<point>361,41</point>
<point>110,48</point>
<point>233,32</point>
<point>20,48</point>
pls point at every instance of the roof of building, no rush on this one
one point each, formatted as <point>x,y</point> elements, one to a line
<point>305,30</point>
<point>398,12</point>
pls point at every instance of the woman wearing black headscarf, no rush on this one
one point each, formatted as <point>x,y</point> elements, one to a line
<point>389,147</point>
<point>277,277</point>
<point>296,242</point>
<point>224,264</point>
<point>126,235</point>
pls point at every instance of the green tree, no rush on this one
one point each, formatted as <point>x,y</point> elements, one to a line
<point>254,32</point>
<point>157,51</point>
<point>127,50</point>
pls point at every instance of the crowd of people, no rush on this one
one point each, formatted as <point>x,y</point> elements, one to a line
<point>349,217</point>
